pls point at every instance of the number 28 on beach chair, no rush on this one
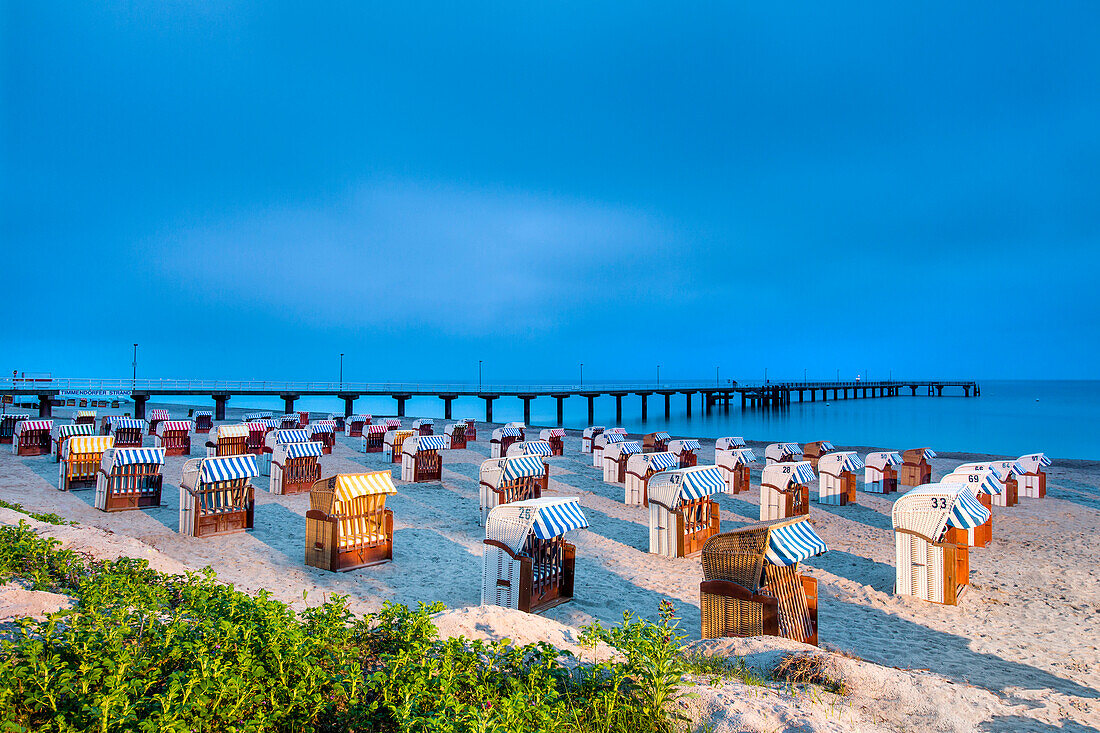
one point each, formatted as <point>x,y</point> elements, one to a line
<point>837,477</point>
<point>526,563</point>
<point>295,467</point>
<point>175,437</point>
<point>64,432</point>
<point>348,525</point>
<point>916,467</point>
<point>785,490</point>
<point>782,453</point>
<point>155,418</point>
<point>682,516</point>
<point>641,467</point>
<point>421,459</point>
<point>129,478</point>
<point>733,463</point>
<point>216,495</point>
<point>751,584</point>
<point>1033,480</point>
<point>556,438</point>
<point>31,437</point>
<point>501,439</point>
<point>454,435</point>
<point>880,475</point>
<point>813,451</point>
<point>931,557</point>
<point>615,458</point>
<point>80,457</point>
<point>508,480</point>
<point>588,437</point>
<point>372,438</point>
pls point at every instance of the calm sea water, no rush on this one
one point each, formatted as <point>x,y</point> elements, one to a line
<point>1012,418</point>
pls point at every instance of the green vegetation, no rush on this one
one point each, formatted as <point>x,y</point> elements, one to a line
<point>48,518</point>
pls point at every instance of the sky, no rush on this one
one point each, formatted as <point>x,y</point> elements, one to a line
<point>249,189</point>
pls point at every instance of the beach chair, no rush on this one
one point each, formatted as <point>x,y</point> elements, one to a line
<point>31,437</point>
<point>290,421</point>
<point>216,495</point>
<point>257,416</point>
<point>782,453</point>
<point>80,457</point>
<point>600,442</point>
<point>84,417</point>
<point>424,426</point>
<point>588,437</point>
<point>129,478</point>
<point>521,427</point>
<point>64,432</point>
<point>228,440</point>
<point>105,424</point>
<point>348,525</point>
<point>392,423</point>
<point>1004,473</point>
<point>174,436</point>
<point>615,458</point>
<point>156,417</point>
<point>295,467</point>
<point>303,418</point>
<point>354,425</point>
<point>324,432</point>
<point>813,451</point>
<point>471,429</point>
<point>837,477</point>
<point>1033,480</point>
<point>655,442</point>
<point>785,490</point>
<point>556,438</point>
<point>687,451</point>
<point>751,583</point>
<point>540,448</point>
<point>421,459</point>
<point>273,440</point>
<point>254,443</point>
<point>8,422</point>
<point>682,516</point>
<point>640,467</point>
<point>128,432</point>
<point>733,464</point>
<point>508,480</point>
<point>202,421</point>
<point>372,438</point>
<point>916,467</point>
<point>501,439</point>
<point>985,483</point>
<point>454,435</point>
<point>729,443</point>
<point>880,476</point>
<point>932,560</point>
<point>338,419</point>
<point>392,442</point>
<point>527,563</point>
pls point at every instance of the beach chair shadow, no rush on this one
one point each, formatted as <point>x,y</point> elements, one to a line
<point>856,513</point>
<point>632,534</point>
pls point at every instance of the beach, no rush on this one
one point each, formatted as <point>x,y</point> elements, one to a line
<point>1021,651</point>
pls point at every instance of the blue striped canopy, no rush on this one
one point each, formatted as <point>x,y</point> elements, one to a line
<point>690,444</point>
<point>629,447</point>
<point>661,436</point>
<point>202,413</point>
<point>967,512</point>
<point>609,438</point>
<point>124,423</point>
<point>430,442</point>
<point>700,482</point>
<point>131,456</point>
<point>661,461</point>
<point>322,427</point>
<point>270,422</point>
<point>227,468</point>
<point>790,449</point>
<point>253,416</point>
<point>929,454</point>
<point>509,432</point>
<point>802,473</point>
<point>288,418</point>
<point>826,445</point>
<point>554,520</point>
<point>357,418</point>
<point>523,467</point>
<point>792,543</point>
<point>305,450</point>
<point>297,435</point>
<point>537,448</point>
<point>746,455</point>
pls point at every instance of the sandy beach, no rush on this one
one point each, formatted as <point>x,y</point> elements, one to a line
<point>1020,652</point>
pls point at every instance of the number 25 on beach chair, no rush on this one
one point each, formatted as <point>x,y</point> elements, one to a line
<point>129,478</point>
<point>785,490</point>
<point>348,525</point>
<point>931,557</point>
<point>682,516</point>
<point>751,584</point>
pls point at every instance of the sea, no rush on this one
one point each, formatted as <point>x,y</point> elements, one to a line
<point>1059,418</point>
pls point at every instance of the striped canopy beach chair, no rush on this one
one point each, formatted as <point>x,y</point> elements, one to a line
<point>521,427</point>
<point>471,429</point>
<point>985,483</point>
<point>290,421</point>
<point>254,442</point>
<point>813,451</point>
<point>615,458</point>
<point>348,525</point>
<point>656,442</point>
<point>228,440</point>
<point>175,437</point>
<point>501,439</point>
<point>682,516</point>
<point>785,490</point>
<point>295,467</point>
<point>392,423</point>
<point>733,463</point>
<point>156,417</point>
<point>324,432</point>
<point>1033,480</point>
<point>424,426</point>
<point>600,442</point>
<point>508,480</point>
<point>372,438</point>
<point>421,459</point>
<point>527,564</point>
<point>354,424</point>
<point>31,437</point>
<point>80,459</point>
<point>687,451</point>
<point>751,583</point>
<point>729,442</point>
<point>932,560</point>
<point>837,477</point>
<point>540,448</point>
<point>640,467</point>
<point>257,416</point>
<point>129,432</point>
<point>393,441</point>
<point>880,475</point>
<point>84,417</point>
<point>556,438</point>
<point>782,453</point>
<point>216,495</point>
<point>129,478</point>
<point>916,467</point>
<point>274,439</point>
<point>588,437</point>
<point>64,432</point>
<point>8,422</point>
<point>454,435</point>
<point>202,421</point>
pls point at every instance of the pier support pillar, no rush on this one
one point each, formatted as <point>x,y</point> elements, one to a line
<point>591,408</point>
<point>526,407</point>
<point>219,406</point>
<point>139,405</point>
<point>401,398</point>
<point>489,406</point>
<point>561,408</point>
<point>288,402</point>
<point>913,389</point>
<point>45,406</point>
<point>618,408</point>
<point>645,404</point>
<point>349,403</point>
<point>939,390</point>
<point>668,406</point>
<point>688,394</point>
<point>447,400</point>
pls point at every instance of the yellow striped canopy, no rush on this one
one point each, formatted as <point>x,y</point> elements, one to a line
<point>90,443</point>
<point>351,485</point>
<point>233,431</point>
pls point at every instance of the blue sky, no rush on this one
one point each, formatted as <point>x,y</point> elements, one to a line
<point>249,189</point>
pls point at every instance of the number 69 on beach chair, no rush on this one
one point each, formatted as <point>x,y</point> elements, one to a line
<point>216,495</point>
<point>348,525</point>
<point>1004,473</point>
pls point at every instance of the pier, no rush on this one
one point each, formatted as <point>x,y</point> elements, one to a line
<point>706,395</point>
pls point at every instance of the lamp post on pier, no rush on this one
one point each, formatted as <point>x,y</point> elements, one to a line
<point>479,376</point>
<point>341,371</point>
<point>134,384</point>
<point>658,375</point>
<point>582,375</point>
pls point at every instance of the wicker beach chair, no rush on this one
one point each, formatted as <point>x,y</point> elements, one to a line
<point>615,458</point>
<point>228,440</point>
<point>655,442</point>
<point>421,459</point>
<point>85,417</point>
<point>1004,473</point>
<point>837,477</point>
<point>813,451</point>
<point>31,437</point>
<point>8,421</point>
<point>64,432</point>
<point>785,490</point>
<point>454,435</point>
<point>175,437</point>
<point>508,480</point>
<point>324,432</point>
<point>128,432</point>
<point>527,563</point>
<point>257,416</point>
<point>1033,480</point>
<point>588,437</point>
<point>372,439</point>
<point>540,448</point>
<point>216,495</point>
<point>392,443</point>
<point>682,516</point>
<point>471,429</point>
<point>295,467</point>
<point>932,560</point>
<point>880,475</point>
<point>782,453</point>
<point>348,525</point>
<point>202,421</point>
<point>985,483</point>
<point>733,463</point>
<point>254,443</point>
<point>354,425</point>
<point>80,459</point>
<point>290,421</point>
<point>640,467</point>
<point>751,584</point>
<point>556,438</point>
<point>501,439</point>
<point>729,443</point>
<point>424,426</point>
<point>916,466</point>
<point>155,417</point>
<point>686,451</point>
<point>129,478</point>
<point>521,427</point>
<point>600,442</point>
<point>273,440</point>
